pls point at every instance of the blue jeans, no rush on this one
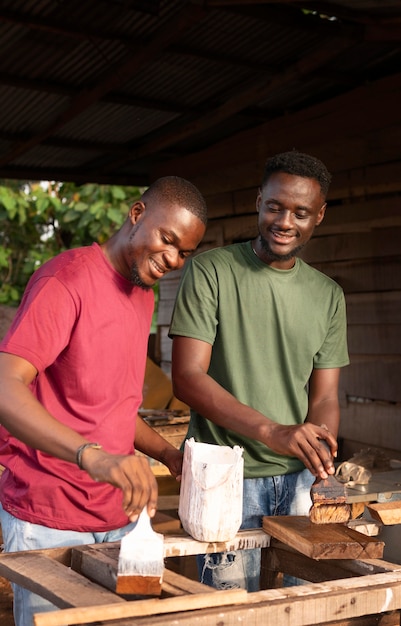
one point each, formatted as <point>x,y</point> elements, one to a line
<point>277,495</point>
<point>19,535</point>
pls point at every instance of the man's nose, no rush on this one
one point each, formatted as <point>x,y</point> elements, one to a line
<point>284,219</point>
<point>173,260</point>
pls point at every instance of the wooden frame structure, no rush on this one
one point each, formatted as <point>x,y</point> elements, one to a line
<point>80,580</point>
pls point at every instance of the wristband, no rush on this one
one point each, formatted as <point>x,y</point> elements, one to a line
<point>81,449</point>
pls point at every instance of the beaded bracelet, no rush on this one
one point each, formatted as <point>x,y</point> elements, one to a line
<point>81,449</point>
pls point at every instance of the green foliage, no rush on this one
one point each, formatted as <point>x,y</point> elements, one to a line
<point>39,220</point>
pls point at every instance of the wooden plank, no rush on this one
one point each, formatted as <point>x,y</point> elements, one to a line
<point>380,242</point>
<point>360,215</point>
<point>372,377</point>
<point>216,170</point>
<point>185,545</point>
<point>138,608</point>
<point>371,423</point>
<point>99,562</point>
<point>361,524</point>
<point>164,523</point>
<point>386,512</point>
<point>374,339</point>
<point>328,541</point>
<point>53,581</point>
<point>304,606</point>
<point>374,308</point>
<point>175,584</point>
<point>350,217</point>
<point>168,502</point>
<point>339,602</point>
<point>365,274</point>
<point>168,285</point>
<point>282,558</point>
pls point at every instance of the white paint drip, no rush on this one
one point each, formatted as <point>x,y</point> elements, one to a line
<point>389,597</point>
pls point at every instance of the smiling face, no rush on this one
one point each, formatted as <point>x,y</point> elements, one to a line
<point>289,208</point>
<point>160,239</point>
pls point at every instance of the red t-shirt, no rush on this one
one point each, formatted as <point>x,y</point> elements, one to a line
<point>85,328</point>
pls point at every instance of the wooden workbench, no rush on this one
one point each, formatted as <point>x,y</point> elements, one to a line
<point>364,592</point>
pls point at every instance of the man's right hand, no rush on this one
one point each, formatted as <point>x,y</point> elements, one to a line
<point>131,473</point>
<point>304,441</point>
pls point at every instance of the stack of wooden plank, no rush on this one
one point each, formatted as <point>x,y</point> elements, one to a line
<point>80,581</point>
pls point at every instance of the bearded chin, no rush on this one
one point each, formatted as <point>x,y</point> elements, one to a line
<point>136,279</point>
<point>273,256</point>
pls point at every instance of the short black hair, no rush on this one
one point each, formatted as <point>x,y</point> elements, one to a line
<point>176,190</point>
<point>298,164</point>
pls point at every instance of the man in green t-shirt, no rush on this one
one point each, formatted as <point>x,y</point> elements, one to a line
<point>259,338</point>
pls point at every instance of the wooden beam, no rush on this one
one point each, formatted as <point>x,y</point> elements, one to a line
<point>353,114</point>
<point>374,308</point>
<point>322,541</point>
<point>118,75</point>
<point>282,558</point>
<point>53,581</point>
<point>375,243</point>
<point>371,423</point>
<point>140,608</point>
<point>363,275</point>
<point>255,91</point>
<point>374,378</point>
<point>339,602</point>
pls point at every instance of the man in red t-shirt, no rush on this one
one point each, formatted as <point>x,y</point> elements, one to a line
<point>71,376</point>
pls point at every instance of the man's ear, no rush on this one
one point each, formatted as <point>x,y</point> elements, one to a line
<point>136,211</point>
<point>258,200</point>
<point>320,215</point>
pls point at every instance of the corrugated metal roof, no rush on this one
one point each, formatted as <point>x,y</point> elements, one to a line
<point>104,90</point>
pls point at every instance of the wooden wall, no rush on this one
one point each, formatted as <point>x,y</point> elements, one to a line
<point>358,244</point>
<point>364,256</point>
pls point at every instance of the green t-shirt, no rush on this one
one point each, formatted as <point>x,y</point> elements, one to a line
<point>269,328</point>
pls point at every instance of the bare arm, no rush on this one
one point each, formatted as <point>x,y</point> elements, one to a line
<point>151,443</point>
<point>324,408</point>
<point>192,384</point>
<point>26,419</point>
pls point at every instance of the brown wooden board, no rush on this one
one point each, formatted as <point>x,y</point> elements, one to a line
<point>99,562</point>
<point>373,377</point>
<point>345,602</point>
<point>373,424</point>
<point>280,558</point>
<point>53,581</point>
<point>374,338</point>
<point>339,247</point>
<point>326,541</point>
<point>139,608</point>
<point>388,513</point>
<point>341,602</point>
<point>363,275</point>
<point>374,308</point>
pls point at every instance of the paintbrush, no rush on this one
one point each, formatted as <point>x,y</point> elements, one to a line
<point>328,500</point>
<point>141,560</point>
